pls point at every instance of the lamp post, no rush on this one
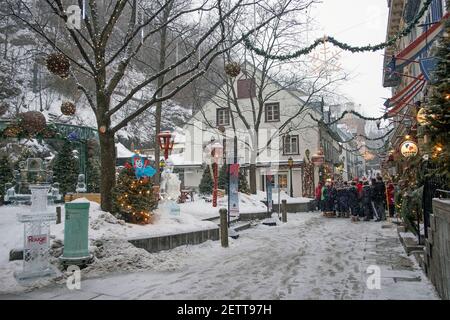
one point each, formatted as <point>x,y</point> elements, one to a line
<point>216,153</point>
<point>166,140</point>
<point>290,164</point>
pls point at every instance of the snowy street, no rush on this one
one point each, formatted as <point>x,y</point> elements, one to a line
<point>310,257</point>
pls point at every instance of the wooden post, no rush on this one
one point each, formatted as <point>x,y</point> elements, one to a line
<point>284,210</point>
<point>223,227</point>
<point>58,215</point>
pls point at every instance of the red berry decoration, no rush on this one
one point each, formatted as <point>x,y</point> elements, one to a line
<point>59,64</point>
<point>33,122</point>
<point>68,108</point>
<point>233,69</point>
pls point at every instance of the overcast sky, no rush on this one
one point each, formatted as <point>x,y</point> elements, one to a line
<point>357,22</point>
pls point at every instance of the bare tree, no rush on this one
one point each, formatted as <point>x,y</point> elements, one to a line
<point>271,77</point>
<point>103,57</point>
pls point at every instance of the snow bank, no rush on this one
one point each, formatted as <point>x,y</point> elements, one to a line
<point>283,196</point>
<point>202,209</point>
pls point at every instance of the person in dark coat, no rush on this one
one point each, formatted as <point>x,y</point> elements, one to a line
<point>379,198</point>
<point>342,200</point>
<point>333,197</point>
<point>353,201</point>
<point>366,201</point>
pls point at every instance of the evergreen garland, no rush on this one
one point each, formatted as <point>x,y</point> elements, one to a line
<point>438,110</point>
<point>206,183</point>
<point>342,45</point>
<point>65,169</point>
<point>6,176</point>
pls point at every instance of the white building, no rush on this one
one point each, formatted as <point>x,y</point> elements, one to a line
<point>284,129</point>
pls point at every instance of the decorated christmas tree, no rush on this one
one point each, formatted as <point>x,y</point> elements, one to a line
<point>438,110</point>
<point>133,198</point>
<point>206,183</point>
<point>6,176</point>
<point>65,168</point>
<point>93,175</point>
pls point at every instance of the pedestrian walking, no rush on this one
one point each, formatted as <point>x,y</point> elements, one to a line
<point>318,196</point>
<point>366,201</point>
<point>379,198</point>
<point>327,200</point>
<point>353,201</point>
<point>342,200</point>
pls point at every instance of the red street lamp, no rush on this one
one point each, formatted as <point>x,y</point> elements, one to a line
<point>216,154</point>
<point>166,140</point>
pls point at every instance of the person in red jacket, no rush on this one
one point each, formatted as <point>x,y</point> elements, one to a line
<point>318,196</point>
<point>390,198</point>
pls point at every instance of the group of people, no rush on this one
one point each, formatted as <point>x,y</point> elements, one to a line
<point>361,199</point>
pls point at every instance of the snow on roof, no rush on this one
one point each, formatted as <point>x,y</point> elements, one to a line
<point>122,151</point>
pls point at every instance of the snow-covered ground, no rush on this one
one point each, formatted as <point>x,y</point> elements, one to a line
<point>202,209</point>
<point>283,196</point>
<point>310,257</point>
<point>102,226</point>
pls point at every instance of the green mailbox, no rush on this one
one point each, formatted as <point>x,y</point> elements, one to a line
<point>76,224</point>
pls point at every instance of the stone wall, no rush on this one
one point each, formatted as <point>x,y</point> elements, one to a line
<point>437,250</point>
<point>155,244</point>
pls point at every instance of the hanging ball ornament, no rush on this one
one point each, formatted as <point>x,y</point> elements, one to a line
<point>68,108</point>
<point>33,122</point>
<point>59,64</point>
<point>102,129</point>
<point>233,69</point>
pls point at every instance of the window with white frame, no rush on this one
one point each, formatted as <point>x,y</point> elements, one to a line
<point>272,112</point>
<point>290,145</point>
<point>223,117</point>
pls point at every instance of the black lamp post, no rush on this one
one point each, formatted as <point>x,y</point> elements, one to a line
<point>290,164</point>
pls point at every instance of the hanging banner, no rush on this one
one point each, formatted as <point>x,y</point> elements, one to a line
<point>233,191</point>
<point>269,188</point>
<point>428,68</point>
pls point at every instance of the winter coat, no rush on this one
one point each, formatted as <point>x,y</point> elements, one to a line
<point>325,193</point>
<point>359,187</point>
<point>379,192</point>
<point>342,196</point>
<point>366,195</point>
<point>318,192</point>
<point>353,196</point>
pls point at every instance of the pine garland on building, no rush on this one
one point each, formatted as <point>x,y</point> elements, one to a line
<point>133,198</point>
<point>6,176</point>
<point>344,46</point>
<point>438,110</point>
<point>65,169</point>
<point>206,183</point>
